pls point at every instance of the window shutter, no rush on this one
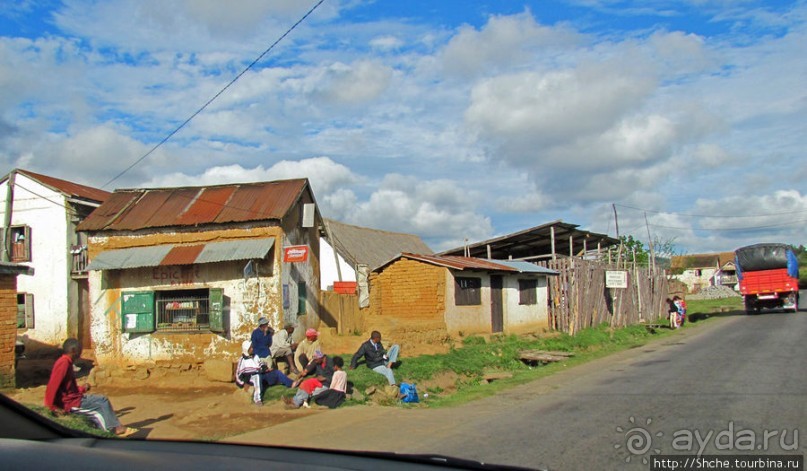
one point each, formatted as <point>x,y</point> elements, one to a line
<point>28,255</point>
<point>302,306</point>
<point>216,310</point>
<point>29,310</point>
<point>137,312</point>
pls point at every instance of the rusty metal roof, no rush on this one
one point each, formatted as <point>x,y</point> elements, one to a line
<point>470,263</point>
<point>68,188</point>
<point>177,254</point>
<point>191,206</point>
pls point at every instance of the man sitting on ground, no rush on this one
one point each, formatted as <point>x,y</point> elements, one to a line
<point>252,370</point>
<point>63,395</point>
<point>306,348</point>
<point>320,367</point>
<point>262,340</point>
<point>377,359</point>
<point>283,347</point>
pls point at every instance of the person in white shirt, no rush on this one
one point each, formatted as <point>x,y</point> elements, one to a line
<point>283,347</point>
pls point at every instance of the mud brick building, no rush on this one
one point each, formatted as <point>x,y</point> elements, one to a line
<point>181,275</point>
<point>8,319</point>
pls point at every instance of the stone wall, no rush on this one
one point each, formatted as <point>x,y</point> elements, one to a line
<point>8,328</point>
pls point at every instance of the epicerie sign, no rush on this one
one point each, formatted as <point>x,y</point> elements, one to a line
<point>616,279</point>
<point>295,253</point>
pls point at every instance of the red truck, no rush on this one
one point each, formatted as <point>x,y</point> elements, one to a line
<point>769,277</point>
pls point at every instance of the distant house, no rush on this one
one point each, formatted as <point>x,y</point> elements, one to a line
<point>698,271</point>
<point>422,298</point>
<point>180,275</point>
<point>40,215</point>
<point>346,248</point>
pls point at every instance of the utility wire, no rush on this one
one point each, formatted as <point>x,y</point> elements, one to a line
<point>202,108</point>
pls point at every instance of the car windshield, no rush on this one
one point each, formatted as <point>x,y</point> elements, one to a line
<point>550,234</point>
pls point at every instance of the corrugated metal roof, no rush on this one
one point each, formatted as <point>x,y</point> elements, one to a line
<point>471,263</point>
<point>190,206</point>
<point>130,258</point>
<point>372,247</point>
<point>526,267</point>
<point>69,188</point>
<point>175,254</point>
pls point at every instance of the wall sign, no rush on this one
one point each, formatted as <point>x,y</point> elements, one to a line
<point>616,279</point>
<point>295,253</point>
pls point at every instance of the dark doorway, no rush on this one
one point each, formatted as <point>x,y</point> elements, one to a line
<point>496,305</point>
<point>84,335</point>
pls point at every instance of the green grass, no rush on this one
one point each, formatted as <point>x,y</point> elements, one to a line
<point>477,356</point>
<point>71,421</point>
<point>701,309</point>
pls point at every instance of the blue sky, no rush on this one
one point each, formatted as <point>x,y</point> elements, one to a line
<point>450,119</point>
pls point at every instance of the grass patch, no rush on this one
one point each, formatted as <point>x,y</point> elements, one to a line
<point>701,309</point>
<point>71,421</point>
<point>479,356</point>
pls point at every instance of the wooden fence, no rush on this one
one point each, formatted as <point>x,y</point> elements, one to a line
<point>578,297</point>
<point>341,311</point>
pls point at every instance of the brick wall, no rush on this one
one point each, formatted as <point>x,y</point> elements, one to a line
<point>8,328</point>
<point>407,303</point>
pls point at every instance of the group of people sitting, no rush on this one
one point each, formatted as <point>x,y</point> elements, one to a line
<point>319,377</point>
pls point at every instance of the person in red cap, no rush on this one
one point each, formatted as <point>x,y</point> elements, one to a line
<point>306,348</point>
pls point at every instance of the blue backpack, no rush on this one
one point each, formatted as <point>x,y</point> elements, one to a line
<point>409,393</point>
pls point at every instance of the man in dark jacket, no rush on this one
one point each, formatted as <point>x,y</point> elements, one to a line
<point>262,341</point>
<point>376,357</point>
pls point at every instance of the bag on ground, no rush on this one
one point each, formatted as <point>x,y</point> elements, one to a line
<point>409,393</point>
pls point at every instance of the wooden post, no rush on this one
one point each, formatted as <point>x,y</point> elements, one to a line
<point>490,256</point>
<point>6,255</point>
<point>571,246</point>
<point>552,241</point>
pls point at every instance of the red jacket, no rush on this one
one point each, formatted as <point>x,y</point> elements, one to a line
<point>63,391</point>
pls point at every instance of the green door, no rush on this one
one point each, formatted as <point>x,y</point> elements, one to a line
<point>216,310</point>
<point>137,311</point>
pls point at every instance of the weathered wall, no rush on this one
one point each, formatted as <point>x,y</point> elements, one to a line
<point>291,274</point>
<point>694,282</point>
<point>407,301</point>
<point>466,320</point>
<point>521,318</point>
<point>245,301</point>
<point>8,328</point>
<point>44,212</point>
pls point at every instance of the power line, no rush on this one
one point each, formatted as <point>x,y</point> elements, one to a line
<point>713,215</point>
<point>211,100</point>
<point>748,228</point>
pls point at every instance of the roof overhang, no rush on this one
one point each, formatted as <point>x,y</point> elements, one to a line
<point>474,264</point>
<point>182,254</point>
<point>7,268</point>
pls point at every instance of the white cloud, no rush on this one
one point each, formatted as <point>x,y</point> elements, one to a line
<point>351,84</point>
<point>386,43</point>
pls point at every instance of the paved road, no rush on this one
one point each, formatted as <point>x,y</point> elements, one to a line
<point>730,374</point>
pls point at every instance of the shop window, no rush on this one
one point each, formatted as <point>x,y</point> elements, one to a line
<point>20,244</point>
<point>173,311</point>
<point>527,292</point>
<point>467,291</point>
<point>25,311</point>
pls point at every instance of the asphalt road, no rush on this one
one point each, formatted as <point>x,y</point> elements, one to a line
<point>739,375</point>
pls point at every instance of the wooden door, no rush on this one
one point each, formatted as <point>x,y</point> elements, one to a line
<point>496,304</point>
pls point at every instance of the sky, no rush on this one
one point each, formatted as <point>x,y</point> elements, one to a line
<point>454,120</point>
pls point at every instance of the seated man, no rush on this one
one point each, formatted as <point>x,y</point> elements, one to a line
<point>306,348</point>
<point>252,370</point>
<point>283,347</point>
<point>262,340</point>
<point>64,396</point>
<point>377,359</point>
<point>320,367</point>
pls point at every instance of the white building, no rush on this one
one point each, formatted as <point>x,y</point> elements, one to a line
<point>40,214</point>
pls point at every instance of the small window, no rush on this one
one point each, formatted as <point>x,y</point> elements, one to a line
<point>302,297</point>
<point>467,291</point>
<point>20,244</point>
<point>698,272</point>
<point>527,292</point>
<point>183,310</point>
<point>25,311</point>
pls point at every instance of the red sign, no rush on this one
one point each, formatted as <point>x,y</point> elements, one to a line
<point>295,253</point>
